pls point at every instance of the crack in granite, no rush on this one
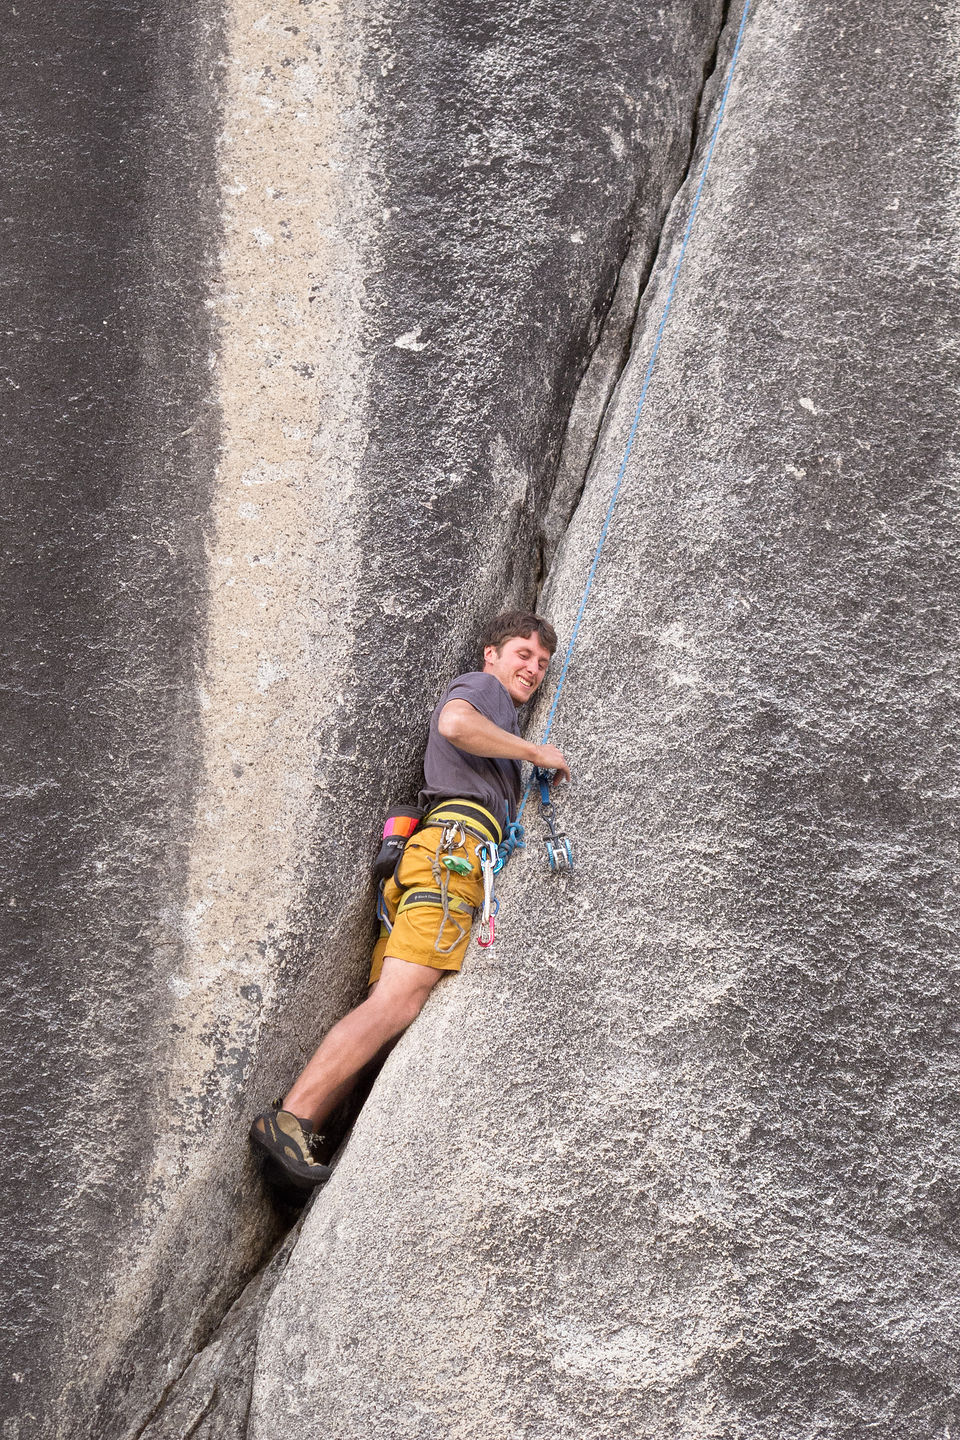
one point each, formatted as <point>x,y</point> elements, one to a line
<point>609,356</point>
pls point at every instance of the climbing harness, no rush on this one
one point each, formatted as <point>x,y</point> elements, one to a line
<point>459,819</point>
<point>456,819</point>
<point>628,451</point>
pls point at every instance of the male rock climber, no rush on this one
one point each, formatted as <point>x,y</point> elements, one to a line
<point>471,772</point>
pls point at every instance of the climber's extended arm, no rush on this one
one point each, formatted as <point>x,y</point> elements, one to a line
<point>466,728</point>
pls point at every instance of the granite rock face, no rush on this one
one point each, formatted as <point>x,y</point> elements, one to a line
<point>301,300</point>
<point>110,446</point>
<point>679,1158</point>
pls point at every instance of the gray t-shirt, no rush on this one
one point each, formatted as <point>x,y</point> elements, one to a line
<point>449,772</point>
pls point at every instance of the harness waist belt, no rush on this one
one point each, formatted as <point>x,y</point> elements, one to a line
<point>472,816</point>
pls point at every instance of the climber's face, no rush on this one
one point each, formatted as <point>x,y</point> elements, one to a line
<point>520,664</point>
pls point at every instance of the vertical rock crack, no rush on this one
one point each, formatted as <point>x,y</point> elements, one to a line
<point>610,354</point>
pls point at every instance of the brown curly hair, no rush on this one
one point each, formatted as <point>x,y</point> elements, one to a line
<point>518,622</point>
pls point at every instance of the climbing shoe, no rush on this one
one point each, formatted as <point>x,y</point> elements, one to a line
<point>288,1146</point>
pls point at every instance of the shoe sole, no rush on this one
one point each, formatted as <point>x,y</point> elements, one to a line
<point>277,1171</point>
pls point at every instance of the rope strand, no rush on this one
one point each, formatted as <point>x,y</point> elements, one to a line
<point>643,395</point>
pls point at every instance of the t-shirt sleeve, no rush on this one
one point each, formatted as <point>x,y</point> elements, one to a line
<point>484,693</point>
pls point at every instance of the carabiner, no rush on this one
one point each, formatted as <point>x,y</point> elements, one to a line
<point>487,855</point>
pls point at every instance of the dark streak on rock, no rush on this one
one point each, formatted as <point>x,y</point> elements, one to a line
<point>112,438</point>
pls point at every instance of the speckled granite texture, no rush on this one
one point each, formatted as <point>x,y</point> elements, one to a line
<point>679,1158</point>
<point>302,298</point>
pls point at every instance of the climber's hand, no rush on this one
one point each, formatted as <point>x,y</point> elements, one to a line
<point>548,757</point>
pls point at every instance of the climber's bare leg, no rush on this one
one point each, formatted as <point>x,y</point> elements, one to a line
<point>343,1091</point>
<point>391,1004</point>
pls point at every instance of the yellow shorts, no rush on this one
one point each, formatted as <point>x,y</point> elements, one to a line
<point>420,933</point>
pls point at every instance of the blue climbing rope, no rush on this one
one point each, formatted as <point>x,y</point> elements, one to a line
<point>643,395</point>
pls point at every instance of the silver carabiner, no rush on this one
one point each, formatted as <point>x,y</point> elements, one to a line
<point>487,855</point>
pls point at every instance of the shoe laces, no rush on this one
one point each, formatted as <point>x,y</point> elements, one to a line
<point>315,1143</point>
<point>315,1140</point>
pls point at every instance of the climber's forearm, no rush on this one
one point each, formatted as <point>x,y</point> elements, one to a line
<point>466,728</point>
